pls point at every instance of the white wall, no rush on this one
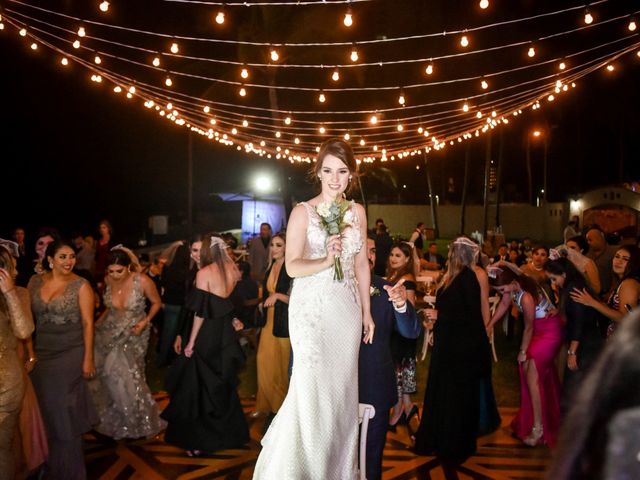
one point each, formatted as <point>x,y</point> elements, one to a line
<point>544,223</point>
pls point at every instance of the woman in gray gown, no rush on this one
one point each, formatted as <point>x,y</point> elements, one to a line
<point>120,392</point>
<point>62,304</point>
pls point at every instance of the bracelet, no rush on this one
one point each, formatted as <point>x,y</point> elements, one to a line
<point>523,352</point>
<point>32,359</point>
<point>571,352</point>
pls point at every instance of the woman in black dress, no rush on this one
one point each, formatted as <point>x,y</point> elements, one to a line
<point>204,414</point>
<point>459,361</point>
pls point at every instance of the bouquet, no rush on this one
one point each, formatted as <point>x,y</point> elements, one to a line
<point>335,217</point>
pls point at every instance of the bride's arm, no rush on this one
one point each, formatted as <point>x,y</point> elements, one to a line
<point>296,239</point>
<point>363,275</point>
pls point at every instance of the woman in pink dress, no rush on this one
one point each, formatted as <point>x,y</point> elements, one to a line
<point>538,418</point>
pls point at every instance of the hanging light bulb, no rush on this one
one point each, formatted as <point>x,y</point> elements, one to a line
<point>156,61</point>
<point>420,130</point>
<point>64,61</point>
<point>484,84</point>
<point>362,142</point>
<point>132,90</point>
<point>354,55</point>
<point>168,82</point>
<point>347,137</point>
<point>348,19</point>
<point>174,48</point>
<point>287,121</point>
<point>465,107</point>
<point>401,99</point>
<point>400,127</point>
<point>562,66</point>
<point>274,55</point>
<point>531,52</point>
<point>23,32</point>
<point>278,134</point>
<point>429,69</point>
<point>464,41</point>
<point>81,32</point>
<point>245,123</point>
<point>335,76</point>
<point>322,130</point>
<point>97,60</point>
<point>322,98</point>
<point>76,44</point>
<point>373,119</point>
<point>611,68</point>
<point>484,4</point>
<point>243,92</point>
<point>104,6</point>
<point>220,17</point>
<point>588,18</point>
<point>632,25</point>
<point>34,46</point>
<point>244,73</point>
<point>206,109</point>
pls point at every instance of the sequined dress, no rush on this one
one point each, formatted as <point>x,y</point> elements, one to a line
<point>65,402</point>
<point>315,433</point>
<point>120,392</point>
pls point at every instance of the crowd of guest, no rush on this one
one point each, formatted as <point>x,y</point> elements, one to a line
<point>94,305</point>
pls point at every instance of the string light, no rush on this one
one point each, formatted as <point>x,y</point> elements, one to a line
<point>245,123</point>
<point>174,48</point>
<point>531,52</point>
<point>156,61</point>
<point>484,84</point>
<point>562,66</point>
<point>632,25</point>
<point>465,107</point>
<point>335,76</point>
<point>373,120</point>
<point>23,32</point>
<point>34,46</point>
<point>168,82</point>
<point>243,92</point>
<point>429,69</point>
<point>104,6</point>
<point>348,19</point>
<point>97,60</point>
<point>274,55</point>
<point>611,68</point>
<point>346,137</point>
<point>220,17</point>
<point>244,73</point>
<point>278,134</point>
<point>132,90</point>
<point>64,61</point>
<point>322,98</point>
<point>588,18</point>
<point>362,142</point>
<point>464,41</point>
<point>81,32</point>
<point>206,109</point>
<point>322,130</point>
<point>400,127</point>
<point>287,121</point>
<point>76,44</point>
<point>117,89</point>
<point>401,99</point>
<point>484,4</point>
<point>354,55</point>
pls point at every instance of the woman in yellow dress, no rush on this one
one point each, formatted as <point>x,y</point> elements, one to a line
<point>274,349</point>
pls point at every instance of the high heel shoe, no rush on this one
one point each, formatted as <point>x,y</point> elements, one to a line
<point>413,423</point>
<point>535,437</point>
<point>402,419</point>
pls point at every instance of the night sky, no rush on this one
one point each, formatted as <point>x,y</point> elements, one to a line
<point>74,153</point>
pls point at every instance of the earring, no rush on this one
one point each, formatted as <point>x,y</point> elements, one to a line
<point>350,177</point>
<point>319,176</point>
<point>50,264</point>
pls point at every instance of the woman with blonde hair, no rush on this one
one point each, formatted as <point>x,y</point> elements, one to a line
<point>204,413</point>
<point>460,360</point>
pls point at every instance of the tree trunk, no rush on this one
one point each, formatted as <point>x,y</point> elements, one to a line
<point>432,198</point>
<point>487,166</point>
<point>465,183</point>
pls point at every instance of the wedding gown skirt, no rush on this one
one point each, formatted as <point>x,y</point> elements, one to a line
<point>314,436</point>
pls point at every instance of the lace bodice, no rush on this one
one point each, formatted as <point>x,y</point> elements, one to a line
<point>61,310</point>
<point>317,237</point>
<point>135,303</point>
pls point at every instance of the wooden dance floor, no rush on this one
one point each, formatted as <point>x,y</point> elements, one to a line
<point>500,457</point>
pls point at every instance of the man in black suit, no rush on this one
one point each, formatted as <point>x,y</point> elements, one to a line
<point>376,375</point>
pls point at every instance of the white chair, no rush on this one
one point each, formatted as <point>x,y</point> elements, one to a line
<point>366,412</point>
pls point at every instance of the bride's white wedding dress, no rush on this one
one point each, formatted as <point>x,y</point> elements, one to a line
<point>314,436</point>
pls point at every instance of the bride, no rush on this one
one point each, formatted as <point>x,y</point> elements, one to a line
<point>315,433</point>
